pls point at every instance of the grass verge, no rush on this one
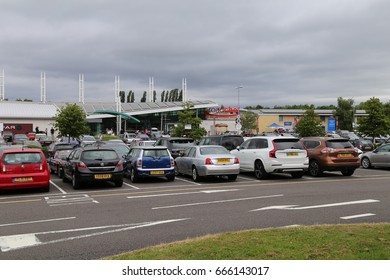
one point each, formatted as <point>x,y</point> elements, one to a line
<point>325,242</point>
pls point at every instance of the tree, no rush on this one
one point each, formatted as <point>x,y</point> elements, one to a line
<point>344,113</point>
<point>143,99</point>
<point>71,121</point>
<point>309,124</point>
<point>248,120</point>
<point>186,118</point>
<point>377,122</point>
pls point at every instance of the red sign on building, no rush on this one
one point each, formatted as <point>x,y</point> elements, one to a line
<point>18,128</point>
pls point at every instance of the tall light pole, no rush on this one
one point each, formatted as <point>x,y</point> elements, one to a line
<point>238,97</point>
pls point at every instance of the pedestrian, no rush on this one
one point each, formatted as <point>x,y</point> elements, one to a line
<point>52,132</point>
<point>37,129</point>
<point>46,131</point>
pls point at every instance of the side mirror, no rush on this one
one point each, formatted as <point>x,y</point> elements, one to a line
<point>238,148</point>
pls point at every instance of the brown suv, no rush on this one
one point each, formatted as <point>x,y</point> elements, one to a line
<point>330,154</point>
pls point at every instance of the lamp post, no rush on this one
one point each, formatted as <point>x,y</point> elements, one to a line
<point>238,97</point>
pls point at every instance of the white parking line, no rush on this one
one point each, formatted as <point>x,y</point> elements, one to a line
<point>55,185</point>
<point>216,201</point>
<point>38,221</point>
<point>183,193</point>
<point>188,181</point>
<point>131,186</point>
<point>357,216</point>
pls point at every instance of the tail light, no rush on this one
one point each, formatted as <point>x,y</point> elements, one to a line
<point>81,165</point>
<point>272,153</point>
<point>327,150</point>
<point>236,161</point>
<point>208,161</point>
<point>3,167</point>
<point>139,163</point>
<point>119,164</point>
<point>172,162</point>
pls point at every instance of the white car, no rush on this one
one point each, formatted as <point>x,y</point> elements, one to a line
<point>272,154</point>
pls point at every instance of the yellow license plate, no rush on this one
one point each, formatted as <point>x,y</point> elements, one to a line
<point>345,155</point>
<point>223,160</point>
<point>102,176</point>
<point>292,154</point>
<point>157,172</point>
<point>23,179</point>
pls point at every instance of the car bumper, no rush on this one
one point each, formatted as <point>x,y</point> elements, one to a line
<point>218,170</point>
<point>8,182</point>
<point>100,177</point>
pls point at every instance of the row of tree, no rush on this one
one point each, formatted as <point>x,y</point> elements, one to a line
<point>172,95</point>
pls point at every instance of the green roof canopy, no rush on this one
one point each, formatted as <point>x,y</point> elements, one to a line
<point>123,115</point>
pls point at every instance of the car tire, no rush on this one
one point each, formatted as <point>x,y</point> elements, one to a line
<point>75,182</point>
<point>297,175</point>
<point>195,174</point>
<point>46,188</point>
<point>119,183</point>
<point>64,179</point>
<point>171,178</point>
<point>260,172</point>
<point>133,175</point>
<point>232,177</point>
<point>60,173</point>
<point>348,172</point>
<point>366,163</point>
<point>315,169</point>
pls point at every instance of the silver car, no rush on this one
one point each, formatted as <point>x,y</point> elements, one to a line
<point>210,160</point>
<point>380,157</point>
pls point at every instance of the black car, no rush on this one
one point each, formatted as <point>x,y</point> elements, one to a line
<point>229,141</point>
<point>93,164</point>
<point>8,136</point>
<point>176,145</point>
<point>363,144</point>
<point>56,146</point>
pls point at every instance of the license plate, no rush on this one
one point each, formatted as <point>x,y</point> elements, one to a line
<point>157,172</point>
<point>223,160</point>
<point>23,179</point>
<point>292,154</point>
<point>102,176</point>
<point>345,155</point>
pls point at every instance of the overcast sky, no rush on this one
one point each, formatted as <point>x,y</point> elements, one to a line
<point>281,51</point>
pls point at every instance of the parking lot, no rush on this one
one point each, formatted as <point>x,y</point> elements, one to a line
<point>100,219</point>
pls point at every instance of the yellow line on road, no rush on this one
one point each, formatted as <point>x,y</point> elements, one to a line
<point>20,201</point>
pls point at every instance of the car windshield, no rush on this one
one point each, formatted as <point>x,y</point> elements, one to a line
<point>19,158</point>
<point>283,144</point>
<point>88,138</point>
<point>339,144</point>
<point>213,150</point>
<point>63,154</point>
<point>121,149</point>
<point>156,153</point>
<point>99,155</point>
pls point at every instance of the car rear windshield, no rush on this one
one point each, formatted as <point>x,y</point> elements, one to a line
<point>339,144</point>
<point>99,155</point>
<point>22,158</point>
<point>213,151</point>
<point>156,153</point>
<point>283,144</point>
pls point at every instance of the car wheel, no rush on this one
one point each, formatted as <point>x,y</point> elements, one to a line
<point>366,163</point>
<point>75,181</point>
<point>119,183</point>
<point>47,188</point>
<point>297,175</point>
<point>133,175</point>
<point>195,175</point>
<point>232,177</point>
<point>60,173</point>
<point>64,179</point>
<point>260,172</point>
<point>348,172</point>
<point>171,178</point>
<point>315,169</point>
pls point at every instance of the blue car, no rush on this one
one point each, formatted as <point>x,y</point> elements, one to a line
<point>149,161</point>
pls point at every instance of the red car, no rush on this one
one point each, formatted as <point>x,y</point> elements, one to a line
<point>24,169</point>
<point>31,135</point>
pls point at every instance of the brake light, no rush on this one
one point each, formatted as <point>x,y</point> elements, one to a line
<point>119,164</point>
<point>81,165</point>
<point>208,161</point>
<point>272,153</point>
<point>3,167</point>
<point>139,163</point>
<point>172,162</point>
<point>236,161</point>
<point>327,150</point>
